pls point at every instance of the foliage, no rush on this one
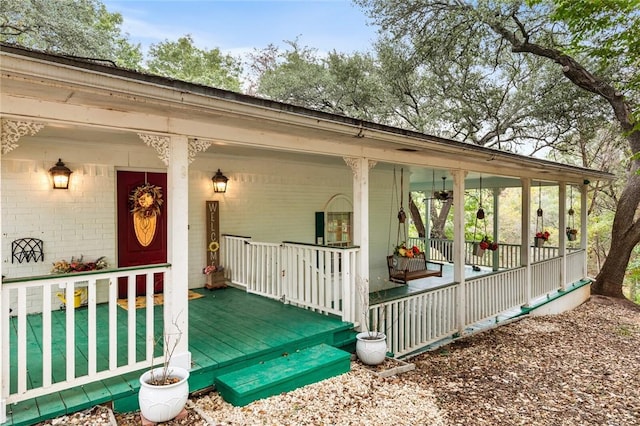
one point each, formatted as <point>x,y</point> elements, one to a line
<point>337,83</point>
<point>487,243</point>
<point>403,251</point>
<point>82,28</point>
<point>544,235</point>
<point>78,265</point>
<point>543,31</point>
<point>182,60</point>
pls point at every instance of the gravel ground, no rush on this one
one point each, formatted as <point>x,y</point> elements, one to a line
<point>578,368</point>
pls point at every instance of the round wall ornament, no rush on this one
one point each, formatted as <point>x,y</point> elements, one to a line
<point>145,200</point>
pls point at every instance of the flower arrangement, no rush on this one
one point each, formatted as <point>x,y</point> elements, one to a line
<point>403,251</point>
<point>209,269</point>
<point>544,235</point>
<point>146,200</point>
<point>78,265</point>
<point>487,244</point>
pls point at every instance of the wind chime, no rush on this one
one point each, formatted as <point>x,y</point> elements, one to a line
<point>541,235</point>
<point>572,231</point>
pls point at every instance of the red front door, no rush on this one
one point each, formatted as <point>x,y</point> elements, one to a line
<point>131,252</point>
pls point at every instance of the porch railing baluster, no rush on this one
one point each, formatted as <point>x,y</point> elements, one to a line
<point>34,295</point>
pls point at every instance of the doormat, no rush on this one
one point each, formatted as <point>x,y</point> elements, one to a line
<point>158,299</point>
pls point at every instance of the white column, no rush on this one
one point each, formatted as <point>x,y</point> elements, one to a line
<point>360,168</point>
<point>525,251</point>
<point>583,226</point>
<point>459,245</point>
<point>496,227</point>
<point>562,235</point>
<point>4,334</point>
<point>176,304</point>
<point>427,227</point>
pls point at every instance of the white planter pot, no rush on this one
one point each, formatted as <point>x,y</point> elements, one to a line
<point>371,347</point>
<point>163,403</point>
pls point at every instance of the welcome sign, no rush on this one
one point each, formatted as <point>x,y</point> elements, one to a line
<point>213,233</point>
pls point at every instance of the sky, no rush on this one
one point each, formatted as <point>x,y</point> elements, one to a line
<point>237,27</point>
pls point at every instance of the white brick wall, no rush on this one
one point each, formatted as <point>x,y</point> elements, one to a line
<point>269,200</point>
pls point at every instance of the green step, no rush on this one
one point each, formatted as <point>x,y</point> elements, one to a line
<point>283,374</point>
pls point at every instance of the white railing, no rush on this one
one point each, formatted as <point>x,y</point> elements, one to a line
<point>575,267</point>
<point>60,366</point>
<point>415,321</point>
<point>508,254</point>
<point>545,276</point>
<point>319,278</point>
<point>264,269</point>
<point>234,258</point>
<point>491,294</point>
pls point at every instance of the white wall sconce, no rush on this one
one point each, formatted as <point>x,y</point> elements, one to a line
<point>60,175</point>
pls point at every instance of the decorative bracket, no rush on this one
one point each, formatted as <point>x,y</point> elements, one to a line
<point>159,143</point>
<point>12,131</point>
<point>197,145</point>
<point>354,163</point>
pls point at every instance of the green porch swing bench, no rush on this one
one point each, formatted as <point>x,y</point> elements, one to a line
<point>404,269</point>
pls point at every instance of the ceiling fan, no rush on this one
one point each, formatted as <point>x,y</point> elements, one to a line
<point>443,195</point>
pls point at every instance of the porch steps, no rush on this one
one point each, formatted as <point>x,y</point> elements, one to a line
<point>282,374</point>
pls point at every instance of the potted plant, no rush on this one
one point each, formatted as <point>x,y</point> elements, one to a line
<point>485,244</point>
<point>371,345</point>
<point>164,390</point>
<point>215,276</point>
<point>402,254</point>
<point>572,234</point>
<point>541,238</point>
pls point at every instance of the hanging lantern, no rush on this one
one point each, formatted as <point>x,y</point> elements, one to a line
<point>60,175</point>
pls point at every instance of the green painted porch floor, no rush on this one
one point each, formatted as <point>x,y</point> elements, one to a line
<point>228,330</point>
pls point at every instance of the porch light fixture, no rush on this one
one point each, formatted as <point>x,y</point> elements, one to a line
<point>60,175</point>
<point>219,182</point>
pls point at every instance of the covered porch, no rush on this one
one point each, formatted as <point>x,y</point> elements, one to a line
<point>288,168</point>
<point>220,342</point>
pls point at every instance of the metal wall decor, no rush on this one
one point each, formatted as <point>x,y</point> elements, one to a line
<point>27,249</point>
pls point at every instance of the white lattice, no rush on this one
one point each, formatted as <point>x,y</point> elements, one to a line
<point>196,146</point>
<point>159,143</point>
<point>12,131</point>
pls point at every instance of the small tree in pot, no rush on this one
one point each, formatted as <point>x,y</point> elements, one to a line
<point>164,390</point>
<point>371,344</point>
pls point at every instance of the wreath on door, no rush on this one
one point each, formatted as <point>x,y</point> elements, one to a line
<point>145,201</point>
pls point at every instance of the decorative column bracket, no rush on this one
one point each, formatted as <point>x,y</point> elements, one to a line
<point>159,143</point>
<point>197,145</point>
<point>12,131</point>
<point>354,164</point>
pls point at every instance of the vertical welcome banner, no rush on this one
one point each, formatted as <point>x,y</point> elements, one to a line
<point>213,233</point>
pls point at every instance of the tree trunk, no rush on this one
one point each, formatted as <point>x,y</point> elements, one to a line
<point>415,216</point>
<point>625,235</point>
<point>439,219</point>
<point>625,232</point>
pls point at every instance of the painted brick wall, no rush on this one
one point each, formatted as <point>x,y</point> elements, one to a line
<point>269,200</point>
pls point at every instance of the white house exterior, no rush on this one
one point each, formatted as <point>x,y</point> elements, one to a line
<point>284,163</point>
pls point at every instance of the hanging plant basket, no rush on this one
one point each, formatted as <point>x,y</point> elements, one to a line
<point>572,234</point>
<point>538,242</point>
<point>477,250</point>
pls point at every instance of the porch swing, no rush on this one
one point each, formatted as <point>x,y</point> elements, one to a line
<point>407,264</point>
